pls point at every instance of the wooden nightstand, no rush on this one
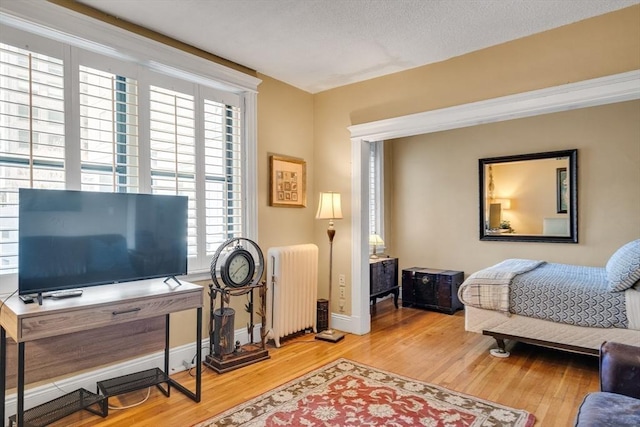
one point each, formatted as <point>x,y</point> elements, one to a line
<point>432,289</point>
<point>383,279</point>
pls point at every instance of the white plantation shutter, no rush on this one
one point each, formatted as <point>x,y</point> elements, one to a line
<point>373,187</point>
<point>376,188</point>
<point>77,115</point>
<point>223,173</point>
<point>108,131</point>
<point>32,137</point>
<point>173,145</point>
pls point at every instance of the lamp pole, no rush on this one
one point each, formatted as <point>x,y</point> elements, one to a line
<point>329,208</point>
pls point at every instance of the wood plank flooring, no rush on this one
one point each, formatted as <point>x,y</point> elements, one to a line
<point>425,345</point>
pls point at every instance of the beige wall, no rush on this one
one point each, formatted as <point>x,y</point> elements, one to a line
<point>437,222</point>
<point>285,127</point>
<point>596,47</point>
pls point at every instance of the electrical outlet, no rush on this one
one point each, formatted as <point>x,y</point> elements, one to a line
<point>343,292</point>
<point>342,279</point>
<point>341,305</point>
<point>186,365</point>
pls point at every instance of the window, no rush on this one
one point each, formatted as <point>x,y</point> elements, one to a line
<point>172,143</point>
<point>108,131</point>
<point>223,174</point>
<point>32,139</point>
<point>376,188</point>
<point>77,119</point>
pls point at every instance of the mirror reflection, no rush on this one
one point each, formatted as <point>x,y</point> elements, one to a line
<point>529,197</point>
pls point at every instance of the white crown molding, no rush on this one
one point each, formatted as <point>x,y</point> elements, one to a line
<point>59,23</point>
<point>587,93</point>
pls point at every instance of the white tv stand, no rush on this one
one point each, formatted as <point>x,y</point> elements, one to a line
<point>103,316</point>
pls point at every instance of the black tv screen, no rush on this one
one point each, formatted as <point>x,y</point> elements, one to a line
<point>72,239</point>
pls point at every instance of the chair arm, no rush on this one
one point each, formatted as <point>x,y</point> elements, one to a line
<point>620,369</point>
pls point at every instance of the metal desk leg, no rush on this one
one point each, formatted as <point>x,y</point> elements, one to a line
<point>20,413</point>
<point>3,372</point>
<point>167,317</point>
<point>195,396</point>
<point>199,355</point>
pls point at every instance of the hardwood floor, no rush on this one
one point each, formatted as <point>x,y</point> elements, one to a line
<point>425,345</point>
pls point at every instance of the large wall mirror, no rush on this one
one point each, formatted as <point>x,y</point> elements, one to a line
<point>530,197</point>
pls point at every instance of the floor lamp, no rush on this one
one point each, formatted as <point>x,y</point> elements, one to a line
<point>329,208</point>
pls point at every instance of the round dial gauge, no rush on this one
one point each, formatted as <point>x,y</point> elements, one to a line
<point>237,263</point>
<point>238,268</point>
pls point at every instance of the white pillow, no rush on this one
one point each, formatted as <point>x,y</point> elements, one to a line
<point>623,268</point>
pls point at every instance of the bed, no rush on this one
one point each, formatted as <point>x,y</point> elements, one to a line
<point>569,307</point>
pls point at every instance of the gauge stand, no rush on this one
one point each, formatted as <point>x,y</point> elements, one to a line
<point>225,356</point>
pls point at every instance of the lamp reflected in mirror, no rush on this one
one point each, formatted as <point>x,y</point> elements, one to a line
<point>498,224</point>
<point>495,216</point>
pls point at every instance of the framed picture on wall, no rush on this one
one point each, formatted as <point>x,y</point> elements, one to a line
<point>562,195</point>
<point>287,182</point>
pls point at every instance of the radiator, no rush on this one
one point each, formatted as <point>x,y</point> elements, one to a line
<point>292,294</point>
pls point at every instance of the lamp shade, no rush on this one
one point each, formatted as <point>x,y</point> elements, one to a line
<point>375,240</point>
<point>329,206</point>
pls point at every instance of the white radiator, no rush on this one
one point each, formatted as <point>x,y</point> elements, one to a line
<point>292,274</point>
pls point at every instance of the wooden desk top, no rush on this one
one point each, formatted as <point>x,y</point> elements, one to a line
<point>98,306</point>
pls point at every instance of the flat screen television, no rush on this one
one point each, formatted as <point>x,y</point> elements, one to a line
<point>73,239</point>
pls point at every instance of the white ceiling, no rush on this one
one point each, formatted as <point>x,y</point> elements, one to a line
<point>317,45</point>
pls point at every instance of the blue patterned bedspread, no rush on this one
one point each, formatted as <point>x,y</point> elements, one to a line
<point>571,294</point>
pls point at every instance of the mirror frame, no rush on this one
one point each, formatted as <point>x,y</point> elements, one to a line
<point>573,198</point>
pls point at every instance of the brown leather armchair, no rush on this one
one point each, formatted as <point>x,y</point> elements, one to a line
<point>618,401</point>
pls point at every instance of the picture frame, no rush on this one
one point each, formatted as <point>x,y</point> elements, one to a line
<point>287,182</point>
<point>562,192</point>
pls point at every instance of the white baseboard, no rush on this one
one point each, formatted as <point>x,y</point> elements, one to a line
<point>177,355</point>
<point>341,322</point>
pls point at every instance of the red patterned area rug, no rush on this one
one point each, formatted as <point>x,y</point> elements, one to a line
<point>345,393</point>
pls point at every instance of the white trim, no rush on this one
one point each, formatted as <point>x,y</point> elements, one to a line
<point>342,322</point>
<point>588,93</point>
<point>250,121</point>
<point>65,25</point>
<point>360,315</point>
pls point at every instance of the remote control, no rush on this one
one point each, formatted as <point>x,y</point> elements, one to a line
<point>66,294</point>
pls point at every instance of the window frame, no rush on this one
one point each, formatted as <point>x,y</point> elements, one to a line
<point>51,28</point>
